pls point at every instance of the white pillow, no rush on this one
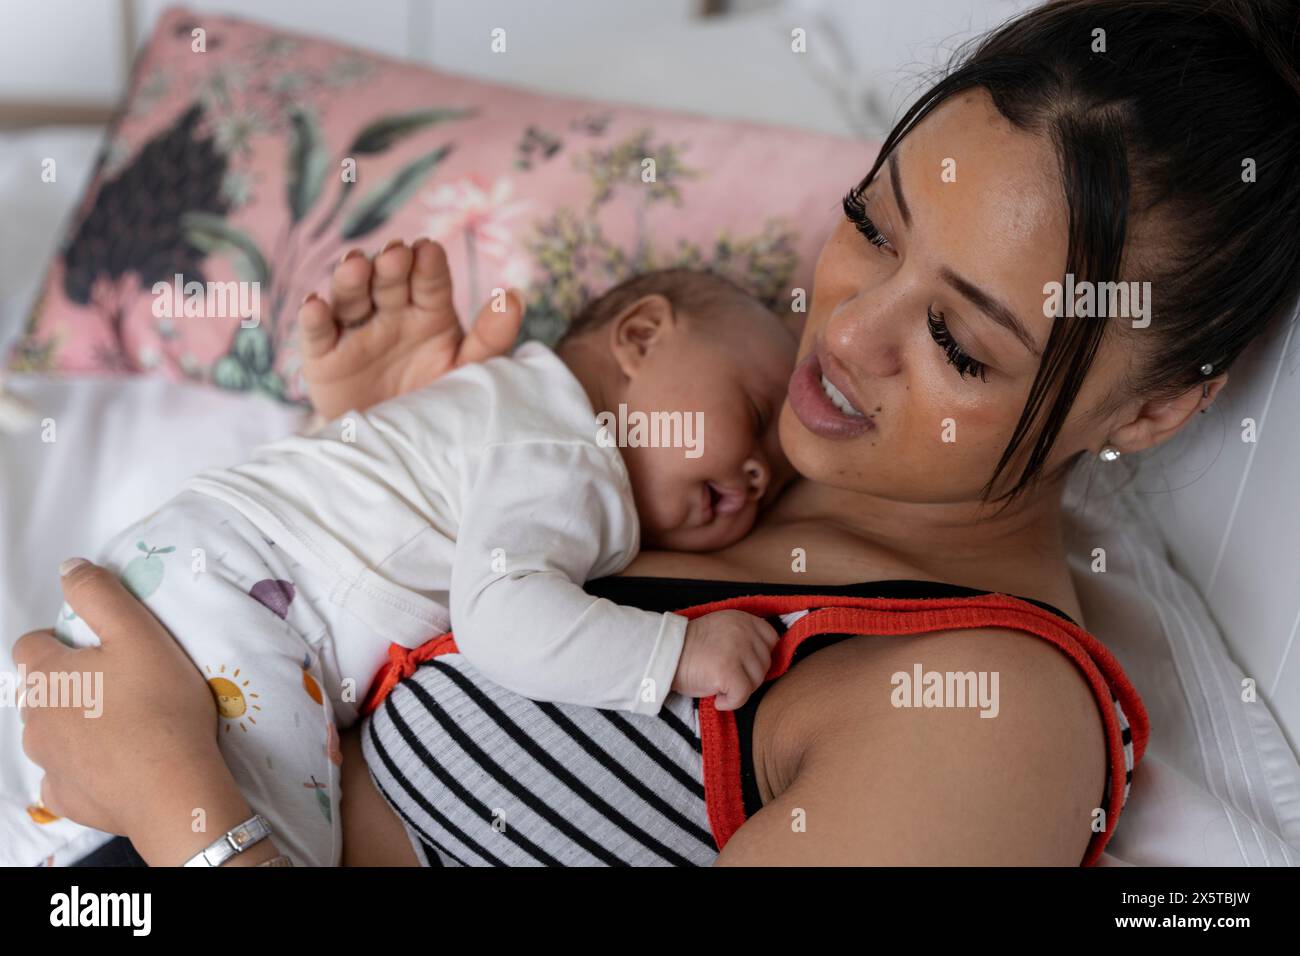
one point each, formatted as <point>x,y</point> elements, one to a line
<point>1219,785</point>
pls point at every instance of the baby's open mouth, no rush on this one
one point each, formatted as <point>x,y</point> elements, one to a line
<point>723,500</point>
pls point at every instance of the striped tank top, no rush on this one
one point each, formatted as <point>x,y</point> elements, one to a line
<point>481,776</point>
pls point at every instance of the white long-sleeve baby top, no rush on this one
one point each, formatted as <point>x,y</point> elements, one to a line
<point>486,494</point>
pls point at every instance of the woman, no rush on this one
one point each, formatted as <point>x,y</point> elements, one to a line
<point>1107,141</point>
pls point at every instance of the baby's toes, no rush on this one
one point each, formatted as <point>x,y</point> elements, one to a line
<point>391,286</point>
<point>350,288</point>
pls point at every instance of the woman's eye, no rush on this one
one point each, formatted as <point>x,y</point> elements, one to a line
<point>855,210</point>
<point>957,357</point>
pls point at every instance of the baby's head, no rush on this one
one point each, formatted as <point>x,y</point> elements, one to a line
<point>688,360</point>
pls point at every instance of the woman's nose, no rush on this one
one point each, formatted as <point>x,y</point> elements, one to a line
<point>756,477</point>
<point>865,336</point>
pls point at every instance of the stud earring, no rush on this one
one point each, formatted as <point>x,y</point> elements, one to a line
<point>1108,452</point>
<point>1206,369</point>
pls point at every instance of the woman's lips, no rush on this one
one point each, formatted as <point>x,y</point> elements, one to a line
<point>813,407</point>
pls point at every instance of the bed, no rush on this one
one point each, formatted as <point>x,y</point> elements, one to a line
<point>1198,600</point>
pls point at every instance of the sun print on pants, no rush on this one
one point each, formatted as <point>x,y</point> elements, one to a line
<point>235,701</point>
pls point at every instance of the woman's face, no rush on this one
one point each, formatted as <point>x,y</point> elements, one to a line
<point>967,222</point>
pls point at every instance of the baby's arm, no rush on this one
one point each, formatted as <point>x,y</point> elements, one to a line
<point>538,519</point>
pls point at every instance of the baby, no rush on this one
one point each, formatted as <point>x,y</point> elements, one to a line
<point>479,503</point>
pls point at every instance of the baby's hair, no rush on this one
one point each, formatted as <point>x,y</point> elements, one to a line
<point>696,292</point>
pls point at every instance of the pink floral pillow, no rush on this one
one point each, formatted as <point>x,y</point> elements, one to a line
<point>245,161</point>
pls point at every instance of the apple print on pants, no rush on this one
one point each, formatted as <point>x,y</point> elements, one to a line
<point>143,575</point>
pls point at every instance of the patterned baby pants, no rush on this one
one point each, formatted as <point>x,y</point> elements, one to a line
<point>286,665</point>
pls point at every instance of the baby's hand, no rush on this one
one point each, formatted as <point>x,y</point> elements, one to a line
<point>390,327</point>
<point>727,654</point>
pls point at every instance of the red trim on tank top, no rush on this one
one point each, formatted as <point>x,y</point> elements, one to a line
<point>839,614</point>
<point>892,616</point>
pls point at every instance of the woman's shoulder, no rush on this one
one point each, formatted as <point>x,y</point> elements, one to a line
<point>1012,779</point>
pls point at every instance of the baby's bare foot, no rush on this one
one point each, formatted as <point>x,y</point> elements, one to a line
<point>390,326</point>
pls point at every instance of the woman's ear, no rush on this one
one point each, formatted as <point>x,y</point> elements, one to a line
<point>1159,420</point>
<point>638,329</point>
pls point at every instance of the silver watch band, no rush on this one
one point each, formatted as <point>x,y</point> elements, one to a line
<point>233,842</point>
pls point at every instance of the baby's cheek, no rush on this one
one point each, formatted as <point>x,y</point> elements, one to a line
<point>656,485</point>
<point>724,440</point>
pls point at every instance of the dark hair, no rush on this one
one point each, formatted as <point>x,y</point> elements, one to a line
<point>696,292</point>
<point>1159,124</point>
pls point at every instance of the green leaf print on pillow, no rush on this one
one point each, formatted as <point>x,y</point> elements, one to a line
<point>384,132</point>
<point>211,234</point>
<point>306,163</point>
<point>377,206</point>
<point>248,365</point>
<point>144,575</point>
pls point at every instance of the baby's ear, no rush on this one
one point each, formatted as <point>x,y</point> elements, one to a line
<point>636,330</point>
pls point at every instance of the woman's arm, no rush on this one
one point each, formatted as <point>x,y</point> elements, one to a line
<point>373,834</point>
<point>879,785</point>
<point>147,767</point>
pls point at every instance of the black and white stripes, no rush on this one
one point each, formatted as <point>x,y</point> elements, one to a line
<point>485,777</point>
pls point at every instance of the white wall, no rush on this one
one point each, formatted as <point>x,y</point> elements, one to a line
<point>70,49</point>
<point>867,56</point>
<point>60,49</point>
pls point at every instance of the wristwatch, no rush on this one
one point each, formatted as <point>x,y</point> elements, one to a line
<point>233,842</point>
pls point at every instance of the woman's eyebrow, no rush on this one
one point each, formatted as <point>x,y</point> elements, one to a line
<point>994,309</point>
<point>991,307</point>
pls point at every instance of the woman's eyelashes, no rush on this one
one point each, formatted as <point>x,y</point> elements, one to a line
<point>855,210</point>
<point>958,357</point>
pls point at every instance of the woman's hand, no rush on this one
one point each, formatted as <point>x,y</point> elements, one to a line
<point>146,765</point>
<point>390,327</point>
